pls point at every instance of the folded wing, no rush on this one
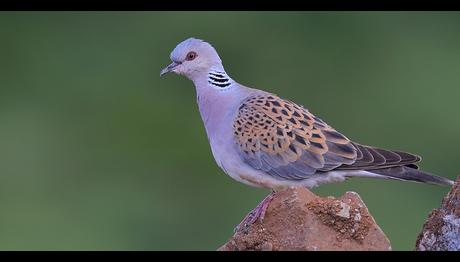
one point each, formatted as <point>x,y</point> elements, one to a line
<point>288,142</point>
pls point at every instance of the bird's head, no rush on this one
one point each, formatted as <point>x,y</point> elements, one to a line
<point>192,57</point>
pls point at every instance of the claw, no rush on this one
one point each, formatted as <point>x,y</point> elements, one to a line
<point>257,214</point>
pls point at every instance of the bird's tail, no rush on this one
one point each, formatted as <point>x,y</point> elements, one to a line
<point>408,173</point>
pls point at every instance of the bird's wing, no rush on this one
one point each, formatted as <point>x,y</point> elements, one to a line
<point>287,141</point>
<point>371,158</point>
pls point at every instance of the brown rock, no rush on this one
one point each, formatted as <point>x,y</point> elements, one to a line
<point>297,219</point>
<point>441,231</point>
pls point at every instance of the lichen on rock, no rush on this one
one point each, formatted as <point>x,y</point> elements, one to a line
<point>441,231</point>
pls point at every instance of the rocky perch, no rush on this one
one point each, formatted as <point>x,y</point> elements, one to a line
<point>297,219</point>
<point>441,231</point>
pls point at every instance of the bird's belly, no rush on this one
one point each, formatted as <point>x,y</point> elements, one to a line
<point>230,162</point>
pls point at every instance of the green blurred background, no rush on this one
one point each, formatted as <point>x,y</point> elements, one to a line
<point>97,152</point>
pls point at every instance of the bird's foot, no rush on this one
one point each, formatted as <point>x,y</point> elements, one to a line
<point>257,213</point>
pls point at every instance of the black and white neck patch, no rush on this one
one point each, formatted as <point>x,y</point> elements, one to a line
<point>219,79</point>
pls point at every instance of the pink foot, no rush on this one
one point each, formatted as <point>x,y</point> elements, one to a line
<point>257,213</point>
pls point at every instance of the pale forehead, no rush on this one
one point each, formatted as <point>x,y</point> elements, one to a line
<point>189,43</point>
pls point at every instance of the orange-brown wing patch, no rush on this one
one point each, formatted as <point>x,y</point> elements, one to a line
<point>284,139</point>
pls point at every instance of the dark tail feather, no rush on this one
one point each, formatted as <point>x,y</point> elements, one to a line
<point>407,173</point>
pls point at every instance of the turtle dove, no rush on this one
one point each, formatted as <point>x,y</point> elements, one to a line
<point>263,140</point>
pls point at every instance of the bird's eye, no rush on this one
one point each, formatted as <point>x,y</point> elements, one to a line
<point>190,56</point>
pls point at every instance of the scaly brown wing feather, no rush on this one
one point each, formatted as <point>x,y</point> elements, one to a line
<point>286,141</point>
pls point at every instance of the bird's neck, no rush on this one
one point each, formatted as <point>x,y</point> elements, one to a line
<point>218,79</point>
<point>214,77</point>
<point>214,83</point>
<point>217,95</point>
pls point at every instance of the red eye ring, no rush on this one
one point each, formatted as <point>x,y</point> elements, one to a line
<point>190,56</point>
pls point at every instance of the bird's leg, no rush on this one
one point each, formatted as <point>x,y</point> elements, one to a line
<point>257,213</point>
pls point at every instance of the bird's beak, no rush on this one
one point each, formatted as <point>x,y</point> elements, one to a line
<point>169,68</point>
